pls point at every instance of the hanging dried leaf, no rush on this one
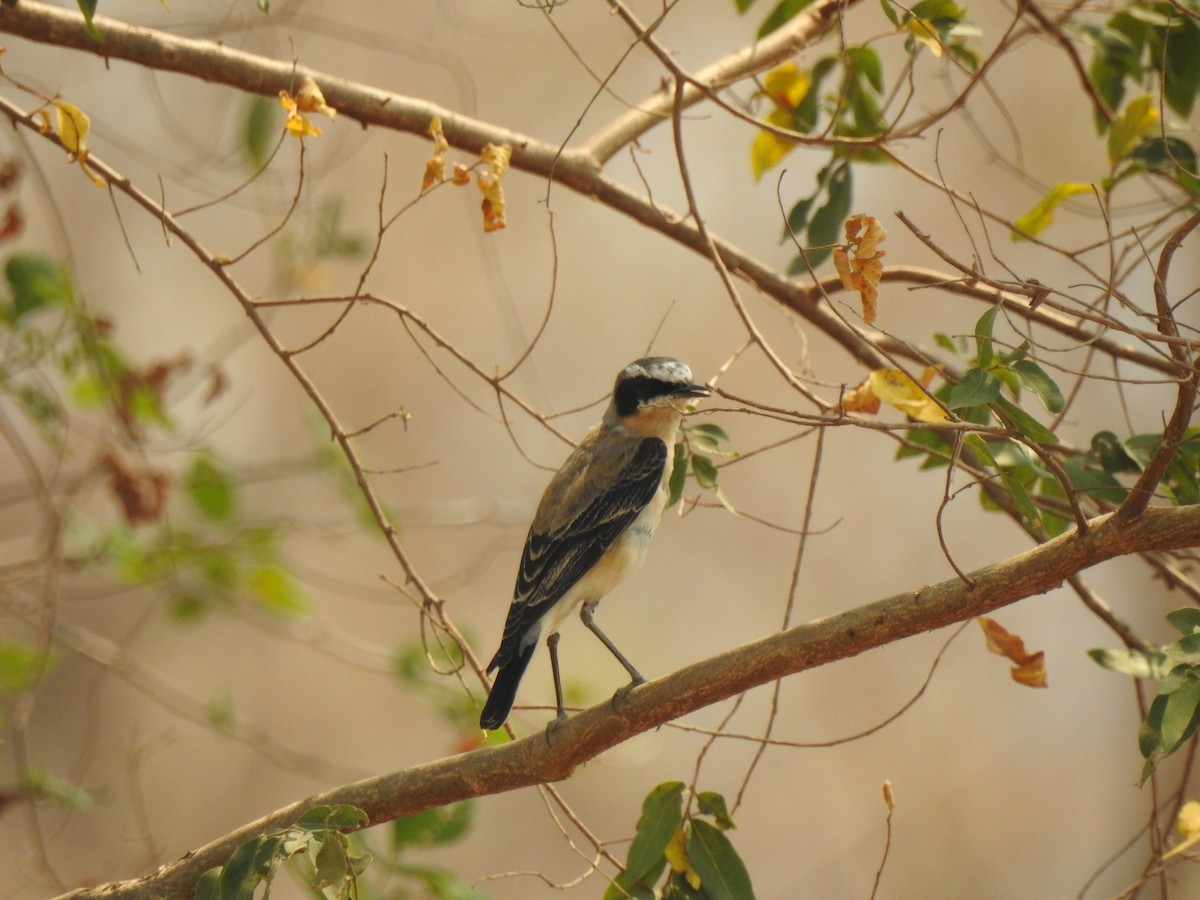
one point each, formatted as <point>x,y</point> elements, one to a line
<point>308,99</point>
<point>1029,669</point>
<point>495,160</point>
<point>859,262</point>
<point>435,166</point>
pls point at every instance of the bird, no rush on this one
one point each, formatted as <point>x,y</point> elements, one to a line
<point>593,524</point>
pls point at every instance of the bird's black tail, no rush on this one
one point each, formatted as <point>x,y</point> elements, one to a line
<point>504,688</point>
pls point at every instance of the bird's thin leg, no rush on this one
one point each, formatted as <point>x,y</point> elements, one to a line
<point>552,646</point>
<point>587,615</point>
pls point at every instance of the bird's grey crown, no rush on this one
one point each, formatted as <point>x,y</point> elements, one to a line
<point>659,368</point>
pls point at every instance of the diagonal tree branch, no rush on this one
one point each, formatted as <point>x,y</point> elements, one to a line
<point>553,755</point>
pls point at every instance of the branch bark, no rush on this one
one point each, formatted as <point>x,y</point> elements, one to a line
<point>556,753</point>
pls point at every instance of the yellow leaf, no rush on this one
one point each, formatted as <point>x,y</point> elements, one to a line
<point>1187,826</point>
<point>676,855</point>
<point>1138,121</point>
<point>768,149</point>
<point>921,30</point>
<point>435,166</point>
<point>766,152</point>
<point>786,85</point>
<point>310,99</point>
<point>495,161</point>
<point>1039,218</point>
<point>899,390</point>
<point>1029,669</point>
<point>71,126</point>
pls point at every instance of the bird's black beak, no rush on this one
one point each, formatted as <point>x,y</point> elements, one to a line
<point>691,390</point>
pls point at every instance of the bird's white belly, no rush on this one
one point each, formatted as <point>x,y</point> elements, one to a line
<point>617,563</point>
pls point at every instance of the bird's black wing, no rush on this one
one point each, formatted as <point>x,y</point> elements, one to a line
<point>554,561</point>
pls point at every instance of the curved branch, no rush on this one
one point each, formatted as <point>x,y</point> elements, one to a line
<point>556,753</point>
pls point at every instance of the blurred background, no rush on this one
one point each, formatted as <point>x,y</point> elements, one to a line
<point>168,717</point>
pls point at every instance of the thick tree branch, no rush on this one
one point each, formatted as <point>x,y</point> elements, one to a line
<point>555,754</point>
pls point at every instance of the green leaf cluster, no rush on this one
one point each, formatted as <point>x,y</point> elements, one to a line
<point>1039,496</point>
<point>991,390</point>
<point>947,21</point>
<point>317,843</point>
<point>206,569</point>
<point>697,856</point>
<point>1174,713</point>
<point>54,355</point>
<point>1153,47</point>
<point>696,453</point>
<point>426,830</point>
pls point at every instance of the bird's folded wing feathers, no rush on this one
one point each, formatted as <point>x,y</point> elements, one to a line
<point>555,559</point>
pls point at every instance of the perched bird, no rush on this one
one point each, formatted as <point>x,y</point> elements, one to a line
<point>593,523</point>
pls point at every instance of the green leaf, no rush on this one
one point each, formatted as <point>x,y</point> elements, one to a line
<point>1093,482</point>
<point>36,281</point>
<point>433,827</point>
<point>1185,620</point>
<point>1108,450</point>
<point>781,15</point>
<point>723,874</point>
<point>1181,714</point>
<point>890,11</point>
<point>1135,663</point>
<point>712,431</point>
<point>239,876</point>
<point>866,61</point>
<point>662,816</point>
<point>825,228</point>
<point>347,817</point>
<point>679,469</point>
<point>1150,734</point>
<point>1038,219</point>
<point>713,804</point>
<point>208,886</point>
<point>22,665</point>
<point>88,8</point>
<point>975,388</point>
<point>1181,76</point>
<point>210,489</point>
<point>1034,378</point>
<point>331,864</point>
<point>705,471</point>
<point>260,125</point>
<point>983,337</point>
<point>1025,424</point>
<point>276,591</point>
<point>60,790</point>
<point>1136,122</point>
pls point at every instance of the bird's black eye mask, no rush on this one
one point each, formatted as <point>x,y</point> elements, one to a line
<point>631,393</point>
